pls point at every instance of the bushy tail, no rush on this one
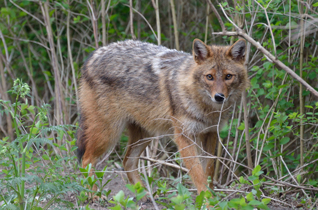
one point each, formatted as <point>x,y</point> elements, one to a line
<point>81,143</point>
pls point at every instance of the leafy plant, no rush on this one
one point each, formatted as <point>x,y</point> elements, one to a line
<point>31,175</point>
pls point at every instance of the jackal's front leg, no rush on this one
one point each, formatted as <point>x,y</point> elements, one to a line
<point>209,142</point>
<point>188,151</point>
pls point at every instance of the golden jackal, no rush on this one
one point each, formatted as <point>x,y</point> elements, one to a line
<point>152,90</point>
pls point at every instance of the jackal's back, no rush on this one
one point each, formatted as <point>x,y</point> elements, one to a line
<point>132,67</point>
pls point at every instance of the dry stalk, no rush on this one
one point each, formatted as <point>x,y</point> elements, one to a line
<point>247,135</point>
<point>4,94</point>
<point>149,189</point>
<point>131,20</point>
<point>59,98</point>
<point>103,22</point>
<point>156,6</point>
<point>217,15</point>
<point>94,21</point>
<point>165,163</point>
<point>175,25</point>
<point>70,55</point>
<point>301,99</point>
<point>154,33</point>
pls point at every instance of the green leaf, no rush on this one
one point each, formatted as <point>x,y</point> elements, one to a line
<point>255,203</point>
<point>199,200</point>
<point>267,84</point>
<point>256,169</point>
<point>34,130</point>
<point>315,4</point>
<point>141,195</point>
<point>119,197</point>
<point>268,147</point>
<point>31,109</point>
<point>298,178</point>
<point>117,207</point>
<point>131,188</point>
<point>100,174</point>
<point>284,140</point>
<point>177,200</point>
<point>182,190</point>
<point>242,126</point>
<point>85,171</point>
<point>266,201</point>
<point>249,196</point>
<point>223,205</point>
<point>242,202</point>
<point>45,157</point>
<point>242,180</point>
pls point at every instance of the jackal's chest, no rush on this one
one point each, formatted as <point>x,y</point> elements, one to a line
<point>166,126</point>
<point>193,127</point>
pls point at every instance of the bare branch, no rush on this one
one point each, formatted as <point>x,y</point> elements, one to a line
<point>217,15</point>
<point>131,20</point>
<point>165,163</point>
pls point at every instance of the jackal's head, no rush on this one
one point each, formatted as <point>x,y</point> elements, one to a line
<point>220,72</point>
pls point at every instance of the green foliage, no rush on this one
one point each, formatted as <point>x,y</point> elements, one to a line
<point>31,174</point>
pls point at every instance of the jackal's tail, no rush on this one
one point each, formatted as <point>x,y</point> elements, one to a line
<point>81,143</point>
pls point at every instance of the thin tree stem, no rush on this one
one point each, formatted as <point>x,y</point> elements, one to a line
<point>175,25</point>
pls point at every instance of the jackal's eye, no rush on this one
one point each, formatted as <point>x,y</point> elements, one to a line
<point>228,76</point>
<point>209,77</point>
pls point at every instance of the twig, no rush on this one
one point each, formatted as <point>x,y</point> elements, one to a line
<point>269,26</point>
<point>27,40</point>
<point>149,189</point>
<point>103,23</point>
<point>175,25</point>
<point>301,99</point>
<point>247,136</point>
<point>300,168</point>
<point>292,176</point>
<point>94,23</point>
<point>217,15</point>
<point>27,12</point>
<point>131,20</point>
<point>154,33</point>
<point>58,96</point>
<point>290,185</point>
<point>217,166</point>
<point>206,25</point>
<point>156,6</point>
<point>68,36</point>
<point>165,163</point>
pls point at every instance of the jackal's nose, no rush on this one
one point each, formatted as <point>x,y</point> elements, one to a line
<point>219,97</point>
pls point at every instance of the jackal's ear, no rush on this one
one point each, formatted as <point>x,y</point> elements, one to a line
<point>200,51</point>
<point>237,50</point>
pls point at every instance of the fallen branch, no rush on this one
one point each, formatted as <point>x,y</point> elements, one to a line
<point>165,163</point>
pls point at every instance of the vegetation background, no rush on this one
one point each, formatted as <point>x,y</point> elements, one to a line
<point>273,130</point>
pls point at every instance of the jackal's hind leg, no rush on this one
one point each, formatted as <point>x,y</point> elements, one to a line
<point>101,135</point>
<point>136,145</point>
